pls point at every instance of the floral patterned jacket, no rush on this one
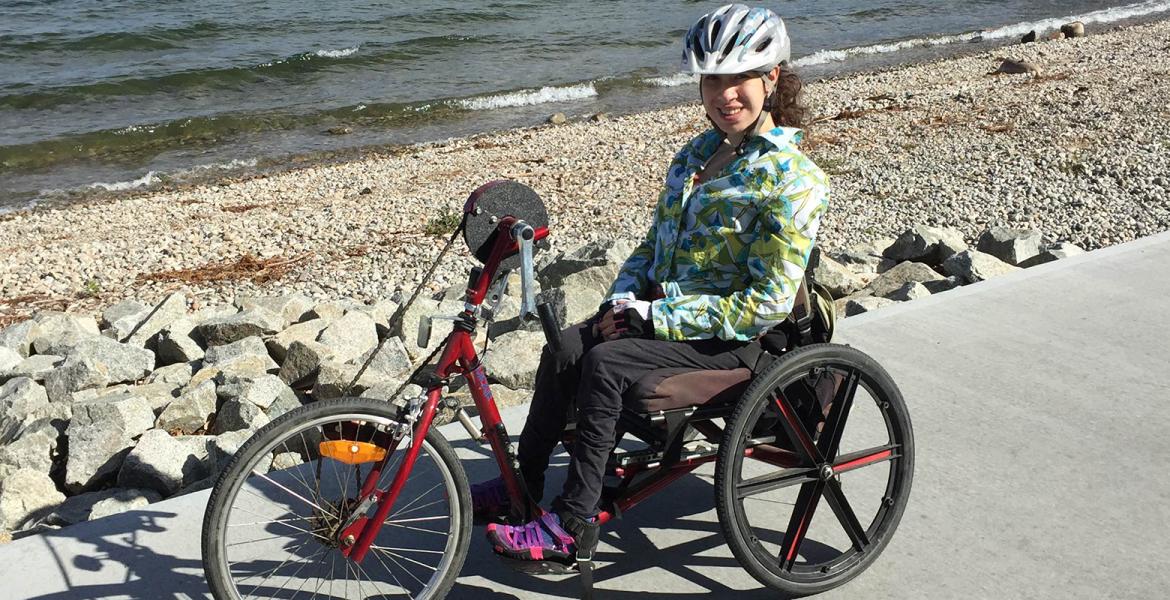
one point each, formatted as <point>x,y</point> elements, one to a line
<point>729,254</point>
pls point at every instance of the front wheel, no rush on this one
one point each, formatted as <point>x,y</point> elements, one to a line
<point>272,524</point>
<point>814,469</point>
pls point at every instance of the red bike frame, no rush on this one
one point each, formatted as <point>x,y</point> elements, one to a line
<point>460,358</point>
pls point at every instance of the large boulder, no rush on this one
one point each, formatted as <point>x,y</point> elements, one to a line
<point>351,336</point>
<point>856,306</point>
<point>157,395</point>
<point>35,367</point>
<point>255,321</point>
<point>190,411</point>
<point>1012,246</point>
<point>22,401</point>
<point>172,308</point>
<point>249,347</point>
<point>176,343</point>
<point>121,319</point>
<point>166,464</point>
<point>1054,252</point>
<point>224,446</point>
<point>26,495</point>
<point>56,327</point>
<point>301,332</point>
<point>334,378</point>
<point>178,374</point>
<point>925,244</point>
<point>303,362</point>
<point>836,277</point>
<point>512,358</point>
<point>259,391</point>
<point>291,308</point>
<point>381,312</point>
<point>1074,29</point>
<point>97,362</point>
<point>973,266</point>
<point>606,254</point>
<point>100,435</point>
<point>20,336</point>
<point>235,415</point>
<point>891,280</point>
<point>119,500</point>
<point>391,361</point>
<point>409,326</point>
<point>9,358</point>
<point>34,448</point>
<point>912,290</point>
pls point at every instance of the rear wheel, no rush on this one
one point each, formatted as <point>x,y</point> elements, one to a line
<point>273,521</point>
<point>814,469</point>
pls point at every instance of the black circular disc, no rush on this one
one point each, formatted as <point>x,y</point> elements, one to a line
<point>491,203</point>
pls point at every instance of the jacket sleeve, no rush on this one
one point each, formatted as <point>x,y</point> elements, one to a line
<point>776,264</point>
<point>634,276</point>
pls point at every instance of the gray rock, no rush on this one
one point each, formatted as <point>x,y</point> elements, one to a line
<point>121,319</point>
<point>912,290</point>
<point>1055,252</point>
<point>175,343</point>
<point>34,448</point>
<point>224,446</point>
<point>286,460</point>
<point>156,395</point>
<point>22,401</point>
<point>287,400</point>
<point>178,374</point>
<point>100,435</point>
<point>1012,246</point>
<point>381,312</point>
<point>898,276</point>
<point>1074,29</point>
<point>856,306</point>
<point>333,379</point>
<point>26,495</point>
<point>608,254</point>
<point>1016,67</point>
<point>302,363</point>
<point>300,332</point>
<point>330,311</point>
<point>861,260</point>
<point>74,375</point>
<point>259,391</point>
<point>942,285</point>
<point>97,362</point>
<point>512,358</point>
<point>440,328</point>
<point>925,244</point>
<point>172,308</point>
<point>189,412</point>
<point>557,119</point>
<point>9,358</point>
<point>165,464</point>
<point>392,360</point>
<point>235,415</point>
<point>35,367</point>
<point>127,413</point>
<point>836,277</point>
<point>251,322</point>
<point>349,337</point>
<point>291,308</point>
<point>248,347</point>
<point>20,336</point>
<point>56,327</point>
<point>120,500</point>
<point>973,266</point>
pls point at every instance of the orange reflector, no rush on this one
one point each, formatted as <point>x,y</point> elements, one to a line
<point>352,453</point>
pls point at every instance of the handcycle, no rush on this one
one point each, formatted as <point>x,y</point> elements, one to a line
<point>358,497</point>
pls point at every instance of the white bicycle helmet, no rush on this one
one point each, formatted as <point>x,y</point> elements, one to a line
<point>736,39</point>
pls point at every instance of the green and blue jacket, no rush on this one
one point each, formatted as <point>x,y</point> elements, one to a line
<point>729,253</point>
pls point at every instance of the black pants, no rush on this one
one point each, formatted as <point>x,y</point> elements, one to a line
<point>594,374</point>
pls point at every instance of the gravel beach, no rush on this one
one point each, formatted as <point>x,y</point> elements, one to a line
<point>1080,151</point>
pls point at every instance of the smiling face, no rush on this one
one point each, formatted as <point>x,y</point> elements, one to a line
<point>734,102</point>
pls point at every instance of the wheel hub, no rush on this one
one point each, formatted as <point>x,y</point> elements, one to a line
<point>826,472</point>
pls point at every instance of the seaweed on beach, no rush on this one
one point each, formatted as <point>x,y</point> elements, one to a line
<point>247,267</point>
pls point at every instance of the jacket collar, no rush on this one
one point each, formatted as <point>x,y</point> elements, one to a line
<point>777,138</point>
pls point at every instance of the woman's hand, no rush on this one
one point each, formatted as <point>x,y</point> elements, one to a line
<point>614,322</point>
<point>607,326</point>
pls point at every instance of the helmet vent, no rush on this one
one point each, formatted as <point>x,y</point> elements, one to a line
<point>764,44</point>
<point>715,31</point>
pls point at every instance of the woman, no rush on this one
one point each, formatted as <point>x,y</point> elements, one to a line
<point>721,264</point>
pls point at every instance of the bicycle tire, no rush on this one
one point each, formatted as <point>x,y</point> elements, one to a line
<point>798,565</point>
<point>276,436</point>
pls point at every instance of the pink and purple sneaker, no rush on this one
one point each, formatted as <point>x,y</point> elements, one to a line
<point>544,539</point>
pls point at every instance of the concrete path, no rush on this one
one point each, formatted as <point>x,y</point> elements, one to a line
<point>1040,404</point>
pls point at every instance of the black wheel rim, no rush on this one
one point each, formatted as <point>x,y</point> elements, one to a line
<point>795,554</point>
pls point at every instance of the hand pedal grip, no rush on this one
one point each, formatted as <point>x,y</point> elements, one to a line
<point>548,322</point>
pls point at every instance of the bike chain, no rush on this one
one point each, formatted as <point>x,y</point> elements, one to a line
<point>397,316</point>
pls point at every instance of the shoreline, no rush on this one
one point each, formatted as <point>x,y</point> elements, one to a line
<point>92,253</point>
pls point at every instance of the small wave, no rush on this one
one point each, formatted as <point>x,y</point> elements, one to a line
<point>336,53</point>
<point>236,163</point>
<point>530,97</point>
<point>149,179</point>
<point>1107,15</point>
<point>672,80</point>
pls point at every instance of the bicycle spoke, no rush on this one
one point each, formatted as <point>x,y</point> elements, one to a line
<point>289,492</point>
<point>391,556</point>
<point>773,481</point>
<point>864,458</point>
<point>421,529</point>
<point>301,568</point>
<point>391,573</point>
<point>439,518</point>
<point>376,547</point>
<point>404,510</point>
<point>835,423</point>
<point>806,506</point>
<point>835,496</point>
<point>272,571</point>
